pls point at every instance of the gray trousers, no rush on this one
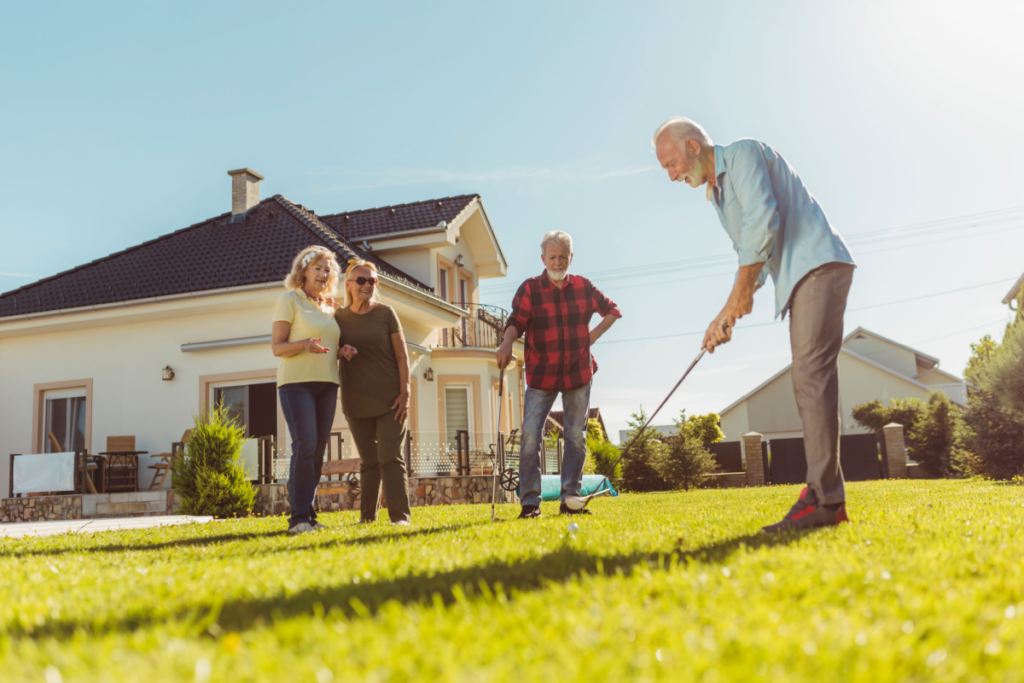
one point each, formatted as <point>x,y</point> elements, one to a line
<point>816,334</point>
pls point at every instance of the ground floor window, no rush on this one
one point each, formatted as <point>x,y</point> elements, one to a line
<point>64,420</point>
<point>456,411</point>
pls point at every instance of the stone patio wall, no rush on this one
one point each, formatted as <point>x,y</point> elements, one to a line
<point>40,508</point>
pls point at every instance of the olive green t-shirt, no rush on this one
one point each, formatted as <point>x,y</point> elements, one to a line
<point>369,382</point>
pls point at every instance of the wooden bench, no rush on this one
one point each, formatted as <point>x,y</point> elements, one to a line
<point>347,466</point>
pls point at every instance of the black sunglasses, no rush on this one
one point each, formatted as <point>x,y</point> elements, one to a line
<point>364,281</point>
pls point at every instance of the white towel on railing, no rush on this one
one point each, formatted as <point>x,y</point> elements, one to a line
<point>44,472</point>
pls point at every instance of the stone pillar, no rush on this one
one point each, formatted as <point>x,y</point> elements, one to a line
<point>895,450</point>
<point>755,465</point>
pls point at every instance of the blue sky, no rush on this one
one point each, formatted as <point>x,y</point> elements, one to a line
<point>121,119</point>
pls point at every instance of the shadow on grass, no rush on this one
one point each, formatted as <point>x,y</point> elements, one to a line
<point>213,539</point>
<point>366,598</point>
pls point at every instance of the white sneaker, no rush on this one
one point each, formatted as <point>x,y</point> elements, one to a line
<point>317,526</point>
<point>299,528</point>
<point>401,522</point>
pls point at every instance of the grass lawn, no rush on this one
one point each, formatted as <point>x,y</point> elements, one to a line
<point>925,584</point>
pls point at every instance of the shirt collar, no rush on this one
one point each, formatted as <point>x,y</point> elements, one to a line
<point>720,170</point>
<point>546,282</point>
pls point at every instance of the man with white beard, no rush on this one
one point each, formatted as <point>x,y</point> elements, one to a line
<point>554,310</point>
<point>779,229</point>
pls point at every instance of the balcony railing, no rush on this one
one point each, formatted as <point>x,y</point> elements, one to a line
<point>482,327</point>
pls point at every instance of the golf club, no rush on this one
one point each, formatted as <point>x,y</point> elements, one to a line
<point>725,327</point>
<point>578,503</point>
<point>499,446</point>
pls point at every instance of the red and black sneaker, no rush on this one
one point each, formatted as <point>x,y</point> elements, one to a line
<point>808,514</point>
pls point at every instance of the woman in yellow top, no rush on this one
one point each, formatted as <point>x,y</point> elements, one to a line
<point>305,338</point>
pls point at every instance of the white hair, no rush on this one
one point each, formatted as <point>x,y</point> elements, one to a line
<point>680,129</point>
<point>556,237</point>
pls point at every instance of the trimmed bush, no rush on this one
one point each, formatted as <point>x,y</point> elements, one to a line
<point>933,436</point>
<point>685,463</point>
<point>209,476</point>
<point>990,439</point>
<point>638,471</point>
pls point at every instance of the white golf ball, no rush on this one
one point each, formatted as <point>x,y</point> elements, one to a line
<point>574,527</point>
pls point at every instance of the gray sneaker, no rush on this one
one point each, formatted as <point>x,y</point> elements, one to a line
<point>299,528</point>
<point>317,526</point>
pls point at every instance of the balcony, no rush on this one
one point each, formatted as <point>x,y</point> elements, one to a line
<point>481,328</point>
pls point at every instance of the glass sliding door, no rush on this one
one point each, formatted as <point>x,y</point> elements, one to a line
<point>64,421</point>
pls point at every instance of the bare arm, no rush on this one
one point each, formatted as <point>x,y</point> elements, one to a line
<point>283,348</point>
<point>402,356</point>
<point>740,302</point>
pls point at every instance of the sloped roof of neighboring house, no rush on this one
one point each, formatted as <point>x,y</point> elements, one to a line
<point>385,220</point>
<point>852,354</point>
<point>213,254</point>
<point>1014,291</point>
<point>920,355</point>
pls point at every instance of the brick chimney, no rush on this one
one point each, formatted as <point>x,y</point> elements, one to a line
<point>245,192</point>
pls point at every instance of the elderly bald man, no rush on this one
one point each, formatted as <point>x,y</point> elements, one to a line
<point>778,228</point>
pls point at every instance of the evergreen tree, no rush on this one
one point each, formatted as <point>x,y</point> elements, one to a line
<point>685,463</point>
<point>638,470</point>
<point>209,475</point>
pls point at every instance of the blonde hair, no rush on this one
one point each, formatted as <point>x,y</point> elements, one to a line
<point>352,265</point>
<point>296,279</point>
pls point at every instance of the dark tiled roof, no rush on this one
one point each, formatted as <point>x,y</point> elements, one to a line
<point>356,225</point>
<point>213,254</point>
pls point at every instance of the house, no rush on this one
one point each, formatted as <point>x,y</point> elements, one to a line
<point>1015,298</point>
<point>594,414</point>
<point>871,367</point>
<point>137,342</point>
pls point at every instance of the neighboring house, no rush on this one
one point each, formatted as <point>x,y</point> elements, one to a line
<point>871,367</point>
<point>663,430</point>
<point>1015,298</point>
<point>137,342</point>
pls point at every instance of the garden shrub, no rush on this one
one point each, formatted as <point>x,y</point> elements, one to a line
<point>990,438</point>
<point>903,411</point>
<point>638,471</point>
<point>209,476</point>
<point>603,457</point>
<point>685,463</point>
<point>933,435</point>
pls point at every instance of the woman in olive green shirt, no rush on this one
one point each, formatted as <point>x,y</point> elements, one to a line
<point>375,392</point>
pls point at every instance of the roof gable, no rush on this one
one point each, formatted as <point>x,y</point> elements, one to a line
<point>210,255</point>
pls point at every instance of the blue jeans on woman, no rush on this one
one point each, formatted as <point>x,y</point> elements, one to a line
<point>536,406</point>
<point>308,409</point>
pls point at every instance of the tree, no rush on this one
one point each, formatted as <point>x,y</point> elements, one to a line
<point>903,411</point>
<point>990,438</point>
<point>685,463</point>
<point>933,435</point>
<point>638,470</point>
<point>604,458</point>
<point>704,427</point>
<point>209,476</point>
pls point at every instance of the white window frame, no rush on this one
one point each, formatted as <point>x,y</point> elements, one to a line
<point>57,395</point>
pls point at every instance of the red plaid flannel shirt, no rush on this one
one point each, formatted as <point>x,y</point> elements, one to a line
<point>557,327</point>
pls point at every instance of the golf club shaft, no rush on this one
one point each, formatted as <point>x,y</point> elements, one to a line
<point>498,445</point>
<point>725,327</point>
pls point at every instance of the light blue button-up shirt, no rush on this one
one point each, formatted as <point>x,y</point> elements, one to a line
<point>772,218</point>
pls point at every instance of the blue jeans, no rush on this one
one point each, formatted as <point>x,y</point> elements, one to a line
<point>536,406</point>
<point>308,409</point>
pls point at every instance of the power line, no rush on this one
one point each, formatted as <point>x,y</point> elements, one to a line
<point>779,322</point>
<point>926,229</point>
<point>953,334</point>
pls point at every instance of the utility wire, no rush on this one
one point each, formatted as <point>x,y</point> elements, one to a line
<point>779,322</point>
<point>925,229</point>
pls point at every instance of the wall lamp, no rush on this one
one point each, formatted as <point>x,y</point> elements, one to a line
<point>459,261</point>
<point>168,373</point>
<point>428,374</point>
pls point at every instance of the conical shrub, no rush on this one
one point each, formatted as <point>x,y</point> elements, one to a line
<point>209,476</point>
